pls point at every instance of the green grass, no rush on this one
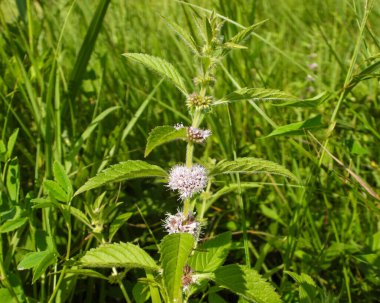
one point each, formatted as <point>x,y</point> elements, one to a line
<point>75,99</point>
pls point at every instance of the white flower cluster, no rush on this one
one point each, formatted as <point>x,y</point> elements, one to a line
<point>198,135</point>
<point>178,223</point>
<point>187,180</point>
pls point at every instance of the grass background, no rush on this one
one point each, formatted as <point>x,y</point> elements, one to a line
<point>75,99</point>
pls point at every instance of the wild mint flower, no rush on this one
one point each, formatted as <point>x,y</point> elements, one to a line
<point>313,66</point>
<point>198,135</point>
<point>187,180</point>
<point>179,223</point>
<point>188,278</point>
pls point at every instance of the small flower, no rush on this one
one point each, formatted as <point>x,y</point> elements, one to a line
<point>179,223</point>
<point>197,101</point>
<point>188,278</point>
<point>310,78</point>
<point>187,180</point>
<point>178,126</point>
<point>198,135</point>
<point>313,66</point>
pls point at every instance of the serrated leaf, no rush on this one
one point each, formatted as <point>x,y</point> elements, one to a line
<point>87,273</point>
<point>297,128</point>
<point>161,67</point>
<point>251,166</point>
<point>123,171</point>
<point>211,254</point>
<point>307,289</point>
<point>117,223</point>
<point>311,102</point>
<point>43,203</point>
<point>39,261</point>
<point>255,94</point>
<point>118,255</point>
<point>61,178</point>
<point>41,267</point>
<point>241,36</point>
<point>185,36</point>
<point>76,213</point>
<point>163,134</point>
<point>13,224</point>
<point>175,250</point>
<point>32,259</point>
<point>56,191</point>
<point>247,283</point>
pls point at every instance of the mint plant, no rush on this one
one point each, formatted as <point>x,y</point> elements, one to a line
<point>186,265</point>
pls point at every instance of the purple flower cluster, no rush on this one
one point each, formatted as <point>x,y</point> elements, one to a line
<point>179,223</point>
<point>198,135</point>
<point>187,180</point>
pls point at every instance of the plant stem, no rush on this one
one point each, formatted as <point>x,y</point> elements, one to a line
<point>121,285</point>
<point>63,272</point>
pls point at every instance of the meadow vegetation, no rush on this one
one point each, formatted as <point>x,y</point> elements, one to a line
<point>76,114</point>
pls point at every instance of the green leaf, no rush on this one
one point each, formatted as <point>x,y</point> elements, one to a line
<point>241,36</point>
<point>3,151</point>
<point>39,261</point>
<point>61,178</point>
<point>175,250</point>
<point>117,223</point>
<point>13,224</point>
<point>311,102</point>
<point>87,47</point>
<point>49,259</point>
<point>56,191</point>
<point>118,255</point>
<point>211,254</point>
<point>297,128</point>
<point>87,273</point>
<point>185,36</point>
<point>76,213</point>
<point>43,203</point>
<point>247,283</point>
<point>31,259</point>
<point>161,67</point>
<point>255,94</point>
<point>5,295</point>
<point>163,134</point>
<point>11,143</point>
<point>140,292</point>
<point>13,180</point>
<point>307,288</point>
<point>123,171</point>
<point>271,213</point>
<point>252,166</point>
<point>90,129</point>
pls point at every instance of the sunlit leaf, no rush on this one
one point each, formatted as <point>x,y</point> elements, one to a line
<point>247,283</point>
<point>118,255</point>
<point>211,254</point>
<point>297,128</point>
<point>250,166</point>
<point>175,250</point>
<point>163,134</point>
<point>123,171</point>
<point>161,67</point>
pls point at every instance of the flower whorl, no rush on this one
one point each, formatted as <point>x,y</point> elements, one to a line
<point>187,180</point>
